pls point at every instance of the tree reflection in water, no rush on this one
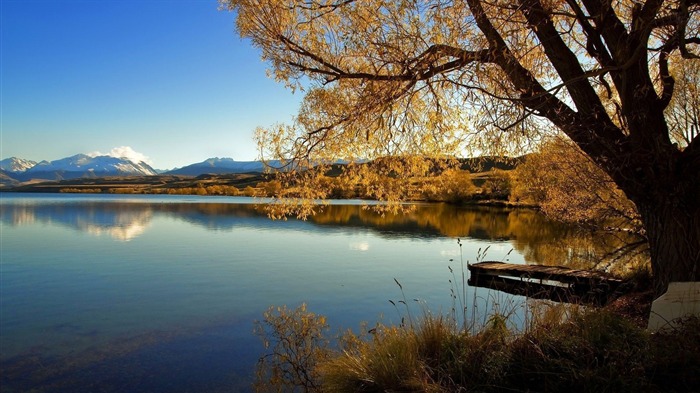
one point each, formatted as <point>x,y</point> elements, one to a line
<point>538,239</point>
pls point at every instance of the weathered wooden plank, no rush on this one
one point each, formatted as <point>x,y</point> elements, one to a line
<point>539,272</point>
<point>535,290</point>
<point>544,282</point>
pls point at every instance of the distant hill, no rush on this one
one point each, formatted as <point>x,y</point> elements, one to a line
<point>473,165</point>
<point>218,165</point>
<point>489,163</point>
<point>6,179</point>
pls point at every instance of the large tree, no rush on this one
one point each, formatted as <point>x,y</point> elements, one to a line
<point>395,77</point>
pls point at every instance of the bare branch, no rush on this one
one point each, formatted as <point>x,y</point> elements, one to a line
<point>564,61</point>
<point>666,79</point>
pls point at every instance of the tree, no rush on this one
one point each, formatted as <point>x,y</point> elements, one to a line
<point>393,77</point>
<point>569,187</point>
<point>683,112</point>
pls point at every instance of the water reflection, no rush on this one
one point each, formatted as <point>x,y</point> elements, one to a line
<point>126,220</point>
<point>121,221</point>
<point>172,308</point>
<point>538,239</point>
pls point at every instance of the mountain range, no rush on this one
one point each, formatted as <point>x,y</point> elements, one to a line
<point>17,170</point>
<point>222,166</point>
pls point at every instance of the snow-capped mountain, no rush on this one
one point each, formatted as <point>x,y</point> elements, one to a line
<point>91,166</point>
<point>15,165</point>
<point>82,165</point>
<point>221,165</point>
<point>83,162</point>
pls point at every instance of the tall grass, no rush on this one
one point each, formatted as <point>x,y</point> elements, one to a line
<point>466,311</point>
<point>593,351</point>
<point>552,348</point>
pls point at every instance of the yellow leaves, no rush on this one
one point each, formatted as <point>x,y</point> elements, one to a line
<point>377,87</point>
<point>298,343</point>
<point>683,113</point>
<point>569,187</point>
<point>392,179</point>
<point>368,57</point>
<point>341,47</point>
<point>452,185</point>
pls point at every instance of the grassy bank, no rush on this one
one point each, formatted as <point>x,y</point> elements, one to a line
<point>586,351</point>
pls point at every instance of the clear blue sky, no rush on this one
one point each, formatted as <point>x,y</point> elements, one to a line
<point>169,78</point>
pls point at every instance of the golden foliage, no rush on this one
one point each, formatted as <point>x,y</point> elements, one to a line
<point>81,190</point>
<point>369,114</point>
<point>201,189</point>
<point>452,185</point>
<point>684,110</point>
<point>298,344</point>
<point>568,186</point>
<point>386,78</point>
<point>464,78</point>
<point>393,180</point>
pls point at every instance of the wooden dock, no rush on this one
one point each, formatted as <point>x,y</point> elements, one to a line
<point>545,282</point>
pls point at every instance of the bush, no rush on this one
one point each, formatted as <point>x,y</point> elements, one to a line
<point>585,353</point>
<point>676,364</point>
<point>124,190</point>
<point>590,351</point>
<point>387,362</point>
<point>498,186</point>
<point>298,344</point>
<point>81,190</point>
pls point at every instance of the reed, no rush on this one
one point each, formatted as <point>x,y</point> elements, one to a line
<point>547,347</point>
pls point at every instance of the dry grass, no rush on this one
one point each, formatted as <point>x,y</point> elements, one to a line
<point>573,350</point>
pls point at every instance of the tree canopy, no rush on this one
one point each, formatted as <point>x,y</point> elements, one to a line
<point>407,77</point>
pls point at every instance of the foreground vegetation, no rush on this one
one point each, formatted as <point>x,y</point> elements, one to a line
<point>576,351</point>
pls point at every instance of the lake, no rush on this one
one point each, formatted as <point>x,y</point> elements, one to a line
<point>137,293</point>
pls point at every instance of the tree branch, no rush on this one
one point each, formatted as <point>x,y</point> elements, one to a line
<point>609,26</point>
<point>584,129</point>
<point>564,61</point>
<point>692,151</point>
<point>423,69</point>
<point>666,79</point>
<point>594,45</point>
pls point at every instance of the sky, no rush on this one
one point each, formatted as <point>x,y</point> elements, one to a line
<point>167,81</point>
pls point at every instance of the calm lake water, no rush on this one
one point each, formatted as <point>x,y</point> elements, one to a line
<point>160,294</point>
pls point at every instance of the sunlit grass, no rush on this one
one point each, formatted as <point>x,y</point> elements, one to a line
<point>492,343</point>
<point>585,351</point>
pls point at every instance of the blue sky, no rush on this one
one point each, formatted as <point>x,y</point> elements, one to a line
<point>170,79</point>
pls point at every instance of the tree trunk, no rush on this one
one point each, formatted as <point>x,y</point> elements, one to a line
<point>673,231</point>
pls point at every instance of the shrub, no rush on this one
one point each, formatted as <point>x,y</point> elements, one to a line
<point>676,364</point>
<point>250,191</point>
<point>498,186</point>
<point>298,344</point>
<point>387,362</point>
<point>81,190</point>
<point>590,351</point>
<point>585,353</point>
<point>124,190</point>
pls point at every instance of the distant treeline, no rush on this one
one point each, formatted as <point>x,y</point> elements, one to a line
<point>464,180</point>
